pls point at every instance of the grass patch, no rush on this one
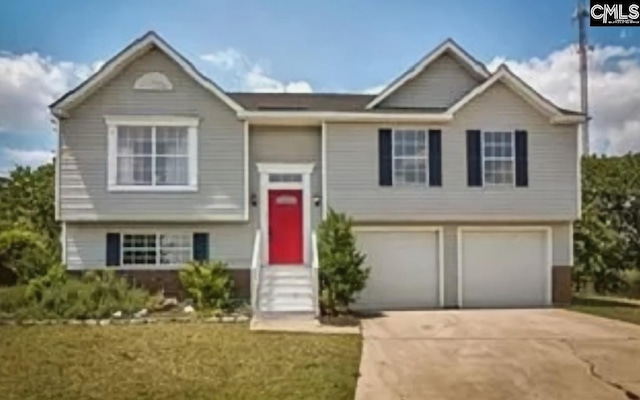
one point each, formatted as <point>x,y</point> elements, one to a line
<point>608,308</point>
<point>174,361</point>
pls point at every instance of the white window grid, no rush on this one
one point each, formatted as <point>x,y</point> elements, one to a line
<point>149,144</point>
<point>420,144</point>
<point>144,249</point>
<point>501,146</point>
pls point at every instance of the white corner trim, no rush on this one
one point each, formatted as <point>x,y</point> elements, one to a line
<point>512,228</point>
<point>114,65</point>
<point>439,230</point>
<point>63,242</point>
<point>155,81</point>
<point>285,168</point>
<point>323,160</point>
<point>58,168</point>
<point>447,46</point>
<point>149,120</point>
<point>247,201</point>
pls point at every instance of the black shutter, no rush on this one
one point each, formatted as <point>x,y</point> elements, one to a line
<point>435,158</point>
<point>474,158</point>
<point>113,249</point>
<point>385,157</point>
<point>522,159</point>
<point>201,246</point>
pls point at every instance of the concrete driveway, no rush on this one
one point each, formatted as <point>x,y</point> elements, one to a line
<point>498,354</point>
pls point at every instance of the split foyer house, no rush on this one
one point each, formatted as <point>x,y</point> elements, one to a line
<point>463,183</point>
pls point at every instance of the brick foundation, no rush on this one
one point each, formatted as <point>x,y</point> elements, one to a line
<point>169,282</point>
<point>562,290</point>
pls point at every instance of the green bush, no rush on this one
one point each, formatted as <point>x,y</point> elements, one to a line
<point>98,294</point>
<point>208,284</point>
<point>12,299</point>
<point>631,280</point>
<point>342,274</point>
<point>25,253</point>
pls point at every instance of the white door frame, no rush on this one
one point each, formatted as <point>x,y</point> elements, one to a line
<point>267,169</point>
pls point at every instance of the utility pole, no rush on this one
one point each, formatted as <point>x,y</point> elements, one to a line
<point>582,15</point>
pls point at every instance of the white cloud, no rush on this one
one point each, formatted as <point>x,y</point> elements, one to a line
<point>614,91</point>
<point>32,158</point>
<point>29,83</point>
<point>374,89</point>
<point>252,76</point>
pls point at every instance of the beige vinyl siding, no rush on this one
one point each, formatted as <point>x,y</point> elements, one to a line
<point>86,243</point>
<point>83,178</point>
<point>352,173</point>
<point>439,85</point>
<point>274,144</point>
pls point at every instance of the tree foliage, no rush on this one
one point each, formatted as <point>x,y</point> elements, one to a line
<point>607,239</point>
<point>342,273</point>
<point>27,220</point>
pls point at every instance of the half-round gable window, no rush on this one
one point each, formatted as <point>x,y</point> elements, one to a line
<point>153,81</point>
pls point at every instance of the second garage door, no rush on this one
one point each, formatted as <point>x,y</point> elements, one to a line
<point>504,268</point>
<point>404,269</point>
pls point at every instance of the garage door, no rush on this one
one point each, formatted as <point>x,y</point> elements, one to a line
<point>404,269</point>
<point>504,268</point>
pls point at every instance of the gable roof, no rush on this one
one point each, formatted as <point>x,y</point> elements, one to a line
<point>520,87</point>
<point>302,101</point>
<point>130,53</point>
<point>449,46</point>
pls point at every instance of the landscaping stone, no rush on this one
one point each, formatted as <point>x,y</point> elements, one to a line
<point>90,322</point>
<point>117,314</point>
<point>104,322</point>
<point>142,313</point>
<point>189,309</point>
<point>228,319</point>
<point>168,304</point>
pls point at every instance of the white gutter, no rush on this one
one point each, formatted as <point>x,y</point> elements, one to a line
<point>331,116</point>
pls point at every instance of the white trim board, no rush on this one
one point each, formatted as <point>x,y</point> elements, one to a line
<point>439,230</point>
<point>448,46</point>
<point>125,57</point>
<point>516,228</point>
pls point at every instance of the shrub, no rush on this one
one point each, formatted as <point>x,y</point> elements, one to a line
<point>25,253</point>
<point>632,283</point>
<point>98,294</point>
<point>209,284</point>
<point>13,299</point>
<point>342,274</point>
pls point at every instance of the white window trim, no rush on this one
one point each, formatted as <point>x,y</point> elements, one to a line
<point>393,157</point>
<point>513,160</point>
<point>151,120</point>
<point>157,234</point>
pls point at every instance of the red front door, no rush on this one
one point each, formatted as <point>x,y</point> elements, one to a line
<point>285,227</point>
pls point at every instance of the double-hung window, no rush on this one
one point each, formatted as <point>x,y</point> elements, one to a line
<point>410,165</point>
<point>152,153</point>
<point>498,158</point>
<point>140,249</point>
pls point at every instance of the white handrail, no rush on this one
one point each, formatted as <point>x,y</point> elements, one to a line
<point>255,271</point>
<point>315,273</point>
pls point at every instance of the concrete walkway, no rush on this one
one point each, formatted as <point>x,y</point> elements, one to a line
<point>498,354</point>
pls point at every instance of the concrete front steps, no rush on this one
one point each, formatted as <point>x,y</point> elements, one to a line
<point>286,291</point>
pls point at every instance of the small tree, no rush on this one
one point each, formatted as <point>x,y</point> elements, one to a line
<point>342,274</point>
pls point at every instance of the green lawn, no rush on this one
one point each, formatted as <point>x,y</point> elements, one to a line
<point>608,308</point>
<point>174,361</point>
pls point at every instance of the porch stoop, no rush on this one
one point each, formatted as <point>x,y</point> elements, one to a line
<point>285,291</point>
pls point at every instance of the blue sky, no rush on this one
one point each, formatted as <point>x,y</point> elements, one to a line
<point>331,45</point>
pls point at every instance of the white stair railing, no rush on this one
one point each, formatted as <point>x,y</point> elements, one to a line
<point>255,270</point>
<point>315,274</point>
